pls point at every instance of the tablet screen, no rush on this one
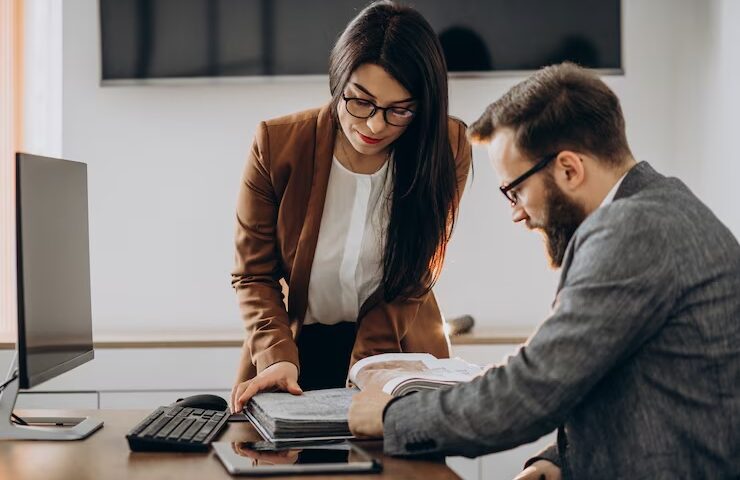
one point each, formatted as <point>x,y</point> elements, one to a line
<point>259,459</point>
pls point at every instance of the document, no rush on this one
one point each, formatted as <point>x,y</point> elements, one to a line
<point>321,415</point>
<point>401,373</point>
<point>312,416</point>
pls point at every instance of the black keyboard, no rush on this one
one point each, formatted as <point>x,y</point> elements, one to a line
<point>177,429</point>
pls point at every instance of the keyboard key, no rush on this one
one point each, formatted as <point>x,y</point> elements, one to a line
<point>177,432</point>
<point>152,429</point>
<point>185,412</point>
<point>201,436</point>
<point>210,425</point>
<point>173,410</point>
<point>167,429</point>
<point>190,433</point>
<point>146,422</point>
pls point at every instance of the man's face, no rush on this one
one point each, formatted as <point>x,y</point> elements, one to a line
<point>541,204</point>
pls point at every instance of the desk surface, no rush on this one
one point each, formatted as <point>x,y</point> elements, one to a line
<point>105,455</point>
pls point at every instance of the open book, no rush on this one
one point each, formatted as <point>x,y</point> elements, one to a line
<point>321,415</point>
<point>400,373</point>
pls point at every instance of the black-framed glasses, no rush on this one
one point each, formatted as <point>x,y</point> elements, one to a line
<point>511,195</point>
<point>362,108</point>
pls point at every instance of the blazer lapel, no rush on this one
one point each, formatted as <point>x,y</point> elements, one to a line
<point>306,247</point>
<point>375,298</point>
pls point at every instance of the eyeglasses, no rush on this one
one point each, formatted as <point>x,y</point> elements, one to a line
<point>361,108</point>
<point>511,195</point>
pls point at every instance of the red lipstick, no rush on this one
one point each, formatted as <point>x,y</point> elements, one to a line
<point>368,140</point>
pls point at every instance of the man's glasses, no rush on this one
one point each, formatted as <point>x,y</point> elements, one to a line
<point>361,108</point>
<point>508,191</point>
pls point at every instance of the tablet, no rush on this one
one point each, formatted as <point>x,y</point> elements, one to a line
<point>246,458</point>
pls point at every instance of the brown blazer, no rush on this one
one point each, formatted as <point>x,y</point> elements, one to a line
<point>281,201</point>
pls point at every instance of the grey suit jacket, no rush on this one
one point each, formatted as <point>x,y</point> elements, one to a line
<point>639,359</point>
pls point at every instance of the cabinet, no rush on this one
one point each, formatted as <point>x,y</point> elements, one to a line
<point>58,400</point>
<point>136,378</point>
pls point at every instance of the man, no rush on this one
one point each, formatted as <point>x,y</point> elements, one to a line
<point>638,365</point>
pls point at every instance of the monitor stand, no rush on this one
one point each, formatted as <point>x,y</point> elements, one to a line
<point>39,428</point>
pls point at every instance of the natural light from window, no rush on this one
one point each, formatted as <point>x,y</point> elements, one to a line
<point>11,16</point>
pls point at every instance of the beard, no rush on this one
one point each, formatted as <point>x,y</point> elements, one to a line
<point>563,216</point>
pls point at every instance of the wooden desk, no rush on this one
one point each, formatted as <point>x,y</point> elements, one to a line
<point>105,456</point>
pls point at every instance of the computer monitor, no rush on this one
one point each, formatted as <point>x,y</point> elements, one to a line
<point>53,284</point>
<point>54,314</point>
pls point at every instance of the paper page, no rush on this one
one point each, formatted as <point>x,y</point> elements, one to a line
<point>384,357</point>
<point>387,371</point>
<point>394,363</point>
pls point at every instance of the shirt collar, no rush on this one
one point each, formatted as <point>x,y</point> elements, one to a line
<point>610,196</point>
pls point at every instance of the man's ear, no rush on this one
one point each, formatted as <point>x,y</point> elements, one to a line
<point>569,171</point>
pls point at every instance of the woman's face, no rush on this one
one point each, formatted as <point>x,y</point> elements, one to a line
<point>371,83</point>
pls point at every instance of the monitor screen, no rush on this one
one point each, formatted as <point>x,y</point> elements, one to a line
<point>54,313</point>
<point>148,39</point>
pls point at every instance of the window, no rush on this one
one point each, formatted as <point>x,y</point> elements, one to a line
<point>11,48</point>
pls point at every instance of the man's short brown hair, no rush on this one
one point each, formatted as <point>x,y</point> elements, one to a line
<point>560,107</point>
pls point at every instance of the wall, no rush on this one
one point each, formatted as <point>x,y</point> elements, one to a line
<point>720,172</point>
<point>42,99</point>
<point>164,165</point>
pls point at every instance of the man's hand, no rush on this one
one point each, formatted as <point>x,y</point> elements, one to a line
<point>282,376</point>
<point>366,413</point>
<point>540,470</point>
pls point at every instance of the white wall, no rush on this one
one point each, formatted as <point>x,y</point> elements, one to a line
<point>164,166</point>
<point>42,95</point>
<point>721,172</point>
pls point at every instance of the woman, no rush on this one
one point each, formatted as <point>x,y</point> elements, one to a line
<point>351,205</point>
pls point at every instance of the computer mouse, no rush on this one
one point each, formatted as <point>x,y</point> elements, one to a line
<point>204,401</point>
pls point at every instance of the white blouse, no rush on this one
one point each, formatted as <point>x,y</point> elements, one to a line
<point>347,265</point>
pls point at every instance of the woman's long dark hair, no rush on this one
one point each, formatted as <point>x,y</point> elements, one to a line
<point>423,211</point>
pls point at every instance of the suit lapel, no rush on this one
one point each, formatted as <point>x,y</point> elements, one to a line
<point>306,247</point>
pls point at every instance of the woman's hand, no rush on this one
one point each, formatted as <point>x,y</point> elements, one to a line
<point>540,470</point>
<point>282,376</point>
